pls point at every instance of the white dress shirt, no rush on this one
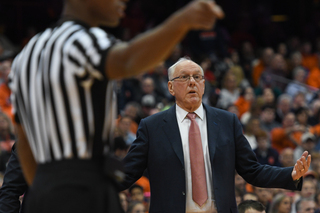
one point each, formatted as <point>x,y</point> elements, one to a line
<point>184,125</point>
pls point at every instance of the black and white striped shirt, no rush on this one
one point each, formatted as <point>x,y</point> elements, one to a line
<point>61,94</point>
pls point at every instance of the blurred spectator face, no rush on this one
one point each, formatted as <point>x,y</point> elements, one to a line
<point>263,143</point>
<point>308,189</point>
<point>267,56</point>
<point>296,59</point>
<point>268,115</point>
<point>131,111</point>
<point>255,125</point>
<point>239,182</point>
<point>4,125</point>
<point>299,100</point>
<point>247,48</point>
<point>137,194</point>
<point>233,109</point>
<point>286,157</point>
<point>285,205</point>
<point>282,49</point>
<point>302,117</point>
<point>278,62</point>
<point>252,126</point>
<point>264,195</point>
<point>308,145</point>
<point>300,75</point>
<point>235,57</point>
<point>288,120</point>
<point>148,86</point>
<point>123,201</point>
<point>306,48</point>
<point>5,68</point>
<point>315,106</point>
<point>284,106</point>
<point>249,94</point>
<point>230,82</point>
<point>206,64</point>
<point>124,124</point>
<point>307,206</point>
<point>268,96</point>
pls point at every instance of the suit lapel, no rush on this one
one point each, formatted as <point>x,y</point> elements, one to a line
<point>171,130</point>
<point>212,129</point>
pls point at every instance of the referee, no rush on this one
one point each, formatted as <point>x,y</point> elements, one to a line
<point>62,92</point>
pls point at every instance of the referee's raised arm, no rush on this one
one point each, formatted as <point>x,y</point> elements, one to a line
<point>148,49</point>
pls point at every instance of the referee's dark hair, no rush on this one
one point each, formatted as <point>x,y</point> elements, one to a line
<point>251,204</point>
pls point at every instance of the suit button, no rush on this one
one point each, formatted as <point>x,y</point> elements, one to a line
<point>183,193</point>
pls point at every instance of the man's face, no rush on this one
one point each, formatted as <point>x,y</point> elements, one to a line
<point>188,94</point>
<point>307,207</point>
<point>286,157</point>
<point>284,106</point>
<point>289,120</point>
<point>308,189</point>
<point>107,12</point>
<point>285,205</point>
<point>137,194</point>
<point>263,143</point>
<point>268,115</point>
<point>264,195</point>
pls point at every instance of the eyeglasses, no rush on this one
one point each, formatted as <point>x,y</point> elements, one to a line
<point>185,78</point>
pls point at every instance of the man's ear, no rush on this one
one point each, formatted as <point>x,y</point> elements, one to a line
<point>170,88</point>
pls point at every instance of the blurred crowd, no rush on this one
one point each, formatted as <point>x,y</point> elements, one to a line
<point>273,88</point>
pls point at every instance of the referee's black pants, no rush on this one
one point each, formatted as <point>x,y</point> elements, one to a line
<point>69,186</point>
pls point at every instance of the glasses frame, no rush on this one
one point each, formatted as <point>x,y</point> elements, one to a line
<point>188,79</point>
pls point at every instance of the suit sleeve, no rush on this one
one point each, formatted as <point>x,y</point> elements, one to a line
<point>253,172</point>
<point>14,185</point>
<point>137,157</point>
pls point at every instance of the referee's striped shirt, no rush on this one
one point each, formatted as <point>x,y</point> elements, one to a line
<point>61,94</point>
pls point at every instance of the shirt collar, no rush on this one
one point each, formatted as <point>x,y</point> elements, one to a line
<point>182,114</point>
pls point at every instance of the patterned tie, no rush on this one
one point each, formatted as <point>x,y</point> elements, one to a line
<point>198,174</point>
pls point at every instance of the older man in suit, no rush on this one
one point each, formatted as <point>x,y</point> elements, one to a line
<point>186,178</point>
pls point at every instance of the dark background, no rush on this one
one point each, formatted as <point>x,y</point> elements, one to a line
<point>254,20</point>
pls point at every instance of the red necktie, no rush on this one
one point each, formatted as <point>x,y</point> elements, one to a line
<point>198,174</point>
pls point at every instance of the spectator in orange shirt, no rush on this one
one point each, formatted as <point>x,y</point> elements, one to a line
<point>132,110</point>
<point>313,78</point>
<point>309,60</point>
<point>288,135</point>
<point>5,103</point>
<point>263,63</point>
<point>245,100</point>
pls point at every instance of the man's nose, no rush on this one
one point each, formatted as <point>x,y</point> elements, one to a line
<point>192,81</point>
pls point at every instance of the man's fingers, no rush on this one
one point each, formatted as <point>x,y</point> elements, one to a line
<point>309,160</point>
<point>305,154</point>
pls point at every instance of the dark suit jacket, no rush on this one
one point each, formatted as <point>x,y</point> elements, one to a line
<point>14,185</point>
<point>158,148</point>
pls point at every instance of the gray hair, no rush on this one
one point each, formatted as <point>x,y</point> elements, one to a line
<point>296,70</point>
<point>283,97</point>
<point>172,69</point>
